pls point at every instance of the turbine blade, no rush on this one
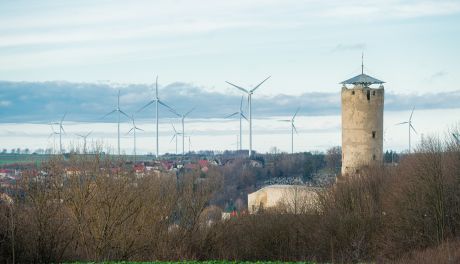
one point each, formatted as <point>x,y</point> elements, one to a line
<point>456,137</point>
<point>402,123</point>
<point>125,114</point>
<point>295,129</point>
<point>241,103</point>
<point>189,111</point>
<point>238,87</point>
<point>89,133</point>
<point>174,128</point>
<point>63,129</point>
<point>140,129</point>
<point>130,130</point>
<point>259,84</point>
<point>63,117</point>
<point>411,126</point>
<point>168,107</point>
<point>108,114</point>
<point>284,120</point>
<point>298,108</point>
<point>244,117</point>
<point>118,98</point>
<point>156,88</point>
<point>232,115</point>
<point>172,138</point>
<point>410,118</point>
<point>145,106</point>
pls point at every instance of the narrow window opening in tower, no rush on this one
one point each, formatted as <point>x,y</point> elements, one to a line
<point>373,134</point>
<point>373,92</point>
<point>373,157</point>
<point>368,95</point>
<point>352,92</point>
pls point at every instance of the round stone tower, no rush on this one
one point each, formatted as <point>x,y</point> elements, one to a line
<point>362,123</point>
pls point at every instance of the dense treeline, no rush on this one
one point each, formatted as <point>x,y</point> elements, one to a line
<point>102,211</point>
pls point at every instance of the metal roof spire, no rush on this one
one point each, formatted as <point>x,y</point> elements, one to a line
<point>362,79</point>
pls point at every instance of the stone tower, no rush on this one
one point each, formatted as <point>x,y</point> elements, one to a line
<point>362,123</point>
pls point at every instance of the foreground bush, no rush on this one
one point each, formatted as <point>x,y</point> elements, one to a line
<point>96,209</point>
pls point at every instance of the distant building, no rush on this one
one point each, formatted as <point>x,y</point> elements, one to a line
<point>294,198</point>
<point>4,173</point>
<point>362,123</point>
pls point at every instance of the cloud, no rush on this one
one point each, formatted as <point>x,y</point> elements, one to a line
<point>389,9</point>
<point>438,75</point>
<point>88,102</point>
<point>4,103</point>
<point>347,47</point>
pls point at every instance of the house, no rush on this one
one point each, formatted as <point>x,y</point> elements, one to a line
<point>139,168</point>
<point>288,198</point>
<point>4,173</point>
<point>203,163</point>
<point>191,166</point>
<point>256,164</point>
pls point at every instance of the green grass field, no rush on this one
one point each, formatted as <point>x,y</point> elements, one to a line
<point>198,262</point>
<point>6,159</point>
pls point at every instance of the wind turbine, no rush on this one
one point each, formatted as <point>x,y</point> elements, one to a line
<point>189,143</point>
<point>241,115</point>
<point>182,117</point>
<point>118,111</point>
<point>84,140</point>
<point>134,128</point>
<point>157,101</point>
<point>53,134</point>
<point>410,126</point>
<point>61,129</point>
<point>175,136</point>
<point>292,129</point>
<point>249,93</point>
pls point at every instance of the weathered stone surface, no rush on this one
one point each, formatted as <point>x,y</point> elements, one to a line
<point>362,127</point>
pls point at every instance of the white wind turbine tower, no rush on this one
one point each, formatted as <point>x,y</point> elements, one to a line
<point>293,128</point>
<point>61,129</point>
<point>249,93</point>
<point>175,136</point>
<point>118,111</point>
<point>410,126</point>
<point>182,117</point>
<point>189,143</point>
<point>85,136</point>
<point>134,128</point>
<point>53,134</point>
<point>240,115</point>
<point>157,101</point>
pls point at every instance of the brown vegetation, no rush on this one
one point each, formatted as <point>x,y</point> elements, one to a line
<point>102,211</point>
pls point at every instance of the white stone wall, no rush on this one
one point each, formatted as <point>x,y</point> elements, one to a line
<point>362,127</point>
<point>294,198</point>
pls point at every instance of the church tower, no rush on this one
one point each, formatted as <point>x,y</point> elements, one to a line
<point>362,123</point>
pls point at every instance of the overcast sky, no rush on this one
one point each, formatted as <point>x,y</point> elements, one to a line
<point>44,102</point>
<point>72,56</point>
<point>307,46</point>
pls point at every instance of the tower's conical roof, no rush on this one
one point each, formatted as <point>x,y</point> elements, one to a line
<point>363,79</point>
